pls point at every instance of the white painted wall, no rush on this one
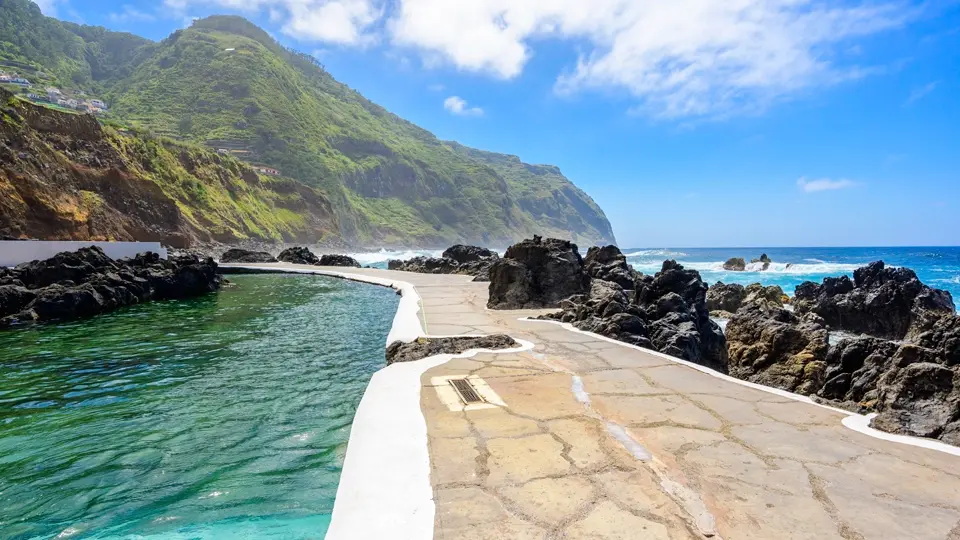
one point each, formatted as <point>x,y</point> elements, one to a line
<point>14,252</point>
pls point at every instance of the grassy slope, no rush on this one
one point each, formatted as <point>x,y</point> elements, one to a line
<point>76,179</point>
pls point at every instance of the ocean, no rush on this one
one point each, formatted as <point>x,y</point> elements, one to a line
<point>938,267</point>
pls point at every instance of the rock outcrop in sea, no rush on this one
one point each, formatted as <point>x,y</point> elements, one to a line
<point>537,273</point>
<point>739,264</point>
<point>735,264</point>
<point>880,301</point>
<point>459,259</point>
<point>87,282</point>
<point>237,255</point>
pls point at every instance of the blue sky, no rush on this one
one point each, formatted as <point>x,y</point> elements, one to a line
<point>691,122</point>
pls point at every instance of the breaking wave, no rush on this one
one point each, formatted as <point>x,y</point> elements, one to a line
<point>382,256</point>
<point>821,268</point>
<point>656,253</point>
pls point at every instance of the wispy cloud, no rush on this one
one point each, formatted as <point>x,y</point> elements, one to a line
<point>921,92</point>
<point>437,87</point>
<point>131,14</point>
<point>458,106</point>
<point>824,184</point>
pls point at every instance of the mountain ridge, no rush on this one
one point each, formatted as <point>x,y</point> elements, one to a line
<point>225,83</point>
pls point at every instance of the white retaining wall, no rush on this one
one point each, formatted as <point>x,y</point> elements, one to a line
<point>14,252</point>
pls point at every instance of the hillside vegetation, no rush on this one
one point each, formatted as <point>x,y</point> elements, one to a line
<point>226,84</point>
<point>63,175</point>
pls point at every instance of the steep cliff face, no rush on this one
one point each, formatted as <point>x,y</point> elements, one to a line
<point>64,176</point>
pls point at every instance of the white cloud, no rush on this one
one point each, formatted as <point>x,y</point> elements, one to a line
<point>677,59</point>
<point>436,87</point>
<point>338,21</point>
<point>343,22</point>
<point>131,14</point>
<point>919,93</point>
<point>458,106</point>
<point>47,7</point>
<point>824,184</point>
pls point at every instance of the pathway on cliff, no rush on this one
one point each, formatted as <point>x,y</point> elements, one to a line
<point>599,440</point>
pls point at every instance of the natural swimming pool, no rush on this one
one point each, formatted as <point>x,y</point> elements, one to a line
<point>225,416</point>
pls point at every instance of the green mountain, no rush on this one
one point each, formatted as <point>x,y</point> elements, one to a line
<point>226,84</point>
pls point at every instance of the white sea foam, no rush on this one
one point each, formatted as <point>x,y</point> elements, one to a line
<point>656,253</point>
<point>954,280</point>
<point>757,268</point>
<point>383,255</point>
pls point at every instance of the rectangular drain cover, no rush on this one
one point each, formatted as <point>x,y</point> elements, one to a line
<point>466,391</point>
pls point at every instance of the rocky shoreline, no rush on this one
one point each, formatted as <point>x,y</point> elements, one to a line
<point>903,363</point>
<point>904,366</point>
<point>86,282</point>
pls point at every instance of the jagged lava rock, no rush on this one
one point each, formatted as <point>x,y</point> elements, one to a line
<point>609,264</point>
<point>675,301</point>
<point>666,313</point>
<point>735,264</point>
<point>537,273</point>
<point>467,254</point>
<point>418,349</point>
<point>338,260</point>
<point>237,255</point>
<point>770,345</point>
<point>91,283</point>
<point>298,255</point>
<point>723,297</point>
<point>425,265</point>
<point>883,302</point>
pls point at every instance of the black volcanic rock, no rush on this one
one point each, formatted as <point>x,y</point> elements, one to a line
<point>458,259</point>
<point>883,302</point>
<point>86,282</point>
<point>735,264</point>
<point>609,264</point>
<point>537,273</point>
<point>920,399</point>
<point>770,345</point>
<point>723,297</point>
<point>467,254</point>
<point>338,260</point>
<point>666,312</point>
<point>418,349</point>
<point>425,265</point>
<point>298,255</point>
<point>237,255</point>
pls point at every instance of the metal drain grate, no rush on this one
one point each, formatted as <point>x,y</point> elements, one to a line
<point>466,391</point>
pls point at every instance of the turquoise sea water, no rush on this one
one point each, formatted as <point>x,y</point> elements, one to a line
<point>938,267</point>
<point>220,417</point>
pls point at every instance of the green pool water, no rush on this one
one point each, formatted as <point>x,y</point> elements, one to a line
<point>220,417</point>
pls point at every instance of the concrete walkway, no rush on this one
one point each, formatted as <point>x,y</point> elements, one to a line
<point>598,440</point>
